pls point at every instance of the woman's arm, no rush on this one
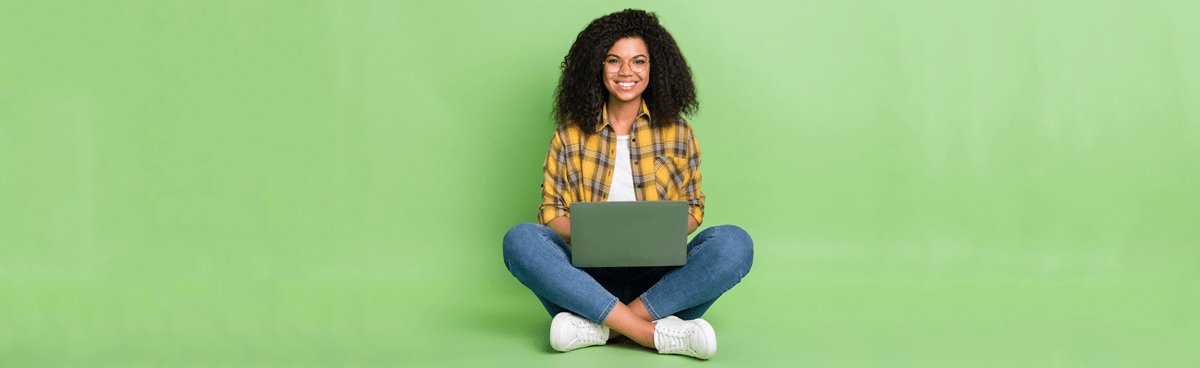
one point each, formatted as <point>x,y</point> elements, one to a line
<point>556,198</point>
<point>690,190</point>
<point>562,226</point>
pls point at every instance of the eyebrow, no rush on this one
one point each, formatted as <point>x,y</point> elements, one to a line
<point>634,57</point>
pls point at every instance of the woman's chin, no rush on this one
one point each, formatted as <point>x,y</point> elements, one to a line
<point>625,96</point>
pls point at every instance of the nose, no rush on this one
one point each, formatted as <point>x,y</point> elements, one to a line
<point>626,69</point>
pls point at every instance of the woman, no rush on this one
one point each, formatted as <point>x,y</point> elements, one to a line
<point>621,137</point>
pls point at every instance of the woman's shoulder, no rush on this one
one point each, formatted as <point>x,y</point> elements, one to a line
<point>677,127</point>
<point>672,123</point>
<point>572,135</point>
<point>569,132</point>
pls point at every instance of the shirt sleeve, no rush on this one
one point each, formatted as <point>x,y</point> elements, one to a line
<point>555,197</point>
<point>691,189</point>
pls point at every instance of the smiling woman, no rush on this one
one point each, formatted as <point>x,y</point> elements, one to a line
<point>668,92</point>
<point>622,137</point>
<point>626,80</point>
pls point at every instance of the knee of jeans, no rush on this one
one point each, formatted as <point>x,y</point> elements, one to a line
<point>737,246</point>
<point>517,239</point>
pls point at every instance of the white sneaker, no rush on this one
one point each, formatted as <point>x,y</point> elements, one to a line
<point>569,332</point>
<point>694,338</point>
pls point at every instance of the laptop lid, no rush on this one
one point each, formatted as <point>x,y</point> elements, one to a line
<point>629,234</point>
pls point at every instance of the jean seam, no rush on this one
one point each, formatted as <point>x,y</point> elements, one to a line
<point>607,309</point>
<point>697,248</point>
<point>649,307</point>
<point>555,246</point>
<point>646,301</point>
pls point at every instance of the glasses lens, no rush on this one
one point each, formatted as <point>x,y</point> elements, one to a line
<point>639,65</point>
<point>612,65</point>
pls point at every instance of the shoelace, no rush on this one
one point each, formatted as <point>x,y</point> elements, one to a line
<point>590,332</point>
<point>676,341</point>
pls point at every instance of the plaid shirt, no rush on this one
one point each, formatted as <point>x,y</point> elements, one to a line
<point>579,167</point>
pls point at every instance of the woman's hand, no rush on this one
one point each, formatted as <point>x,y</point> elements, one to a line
<point>562,226</point>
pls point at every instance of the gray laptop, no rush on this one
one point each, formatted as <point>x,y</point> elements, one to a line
<point>629,234</point>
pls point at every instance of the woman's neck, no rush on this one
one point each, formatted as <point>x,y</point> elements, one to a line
<point>621,114</point>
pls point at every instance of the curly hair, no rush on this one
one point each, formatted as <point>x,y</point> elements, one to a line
<point>581,94</point>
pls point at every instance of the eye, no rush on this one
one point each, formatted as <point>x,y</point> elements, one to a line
<point>640,61</point>
<point>613,61</point>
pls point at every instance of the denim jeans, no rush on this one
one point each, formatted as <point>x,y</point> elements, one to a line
<point>717,258</point>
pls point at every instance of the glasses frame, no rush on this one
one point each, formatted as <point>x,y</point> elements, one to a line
<point>629,63</point>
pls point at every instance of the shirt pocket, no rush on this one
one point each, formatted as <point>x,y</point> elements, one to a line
<point>670,174</point>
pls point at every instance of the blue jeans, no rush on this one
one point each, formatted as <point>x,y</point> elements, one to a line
<point>717,259</point>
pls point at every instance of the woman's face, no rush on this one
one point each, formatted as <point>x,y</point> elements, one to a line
<point>627,69</point>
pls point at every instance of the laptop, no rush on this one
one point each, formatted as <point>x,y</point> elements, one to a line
<point>629,234</point>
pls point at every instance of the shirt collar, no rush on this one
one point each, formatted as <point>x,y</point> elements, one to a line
<point>604,115</point>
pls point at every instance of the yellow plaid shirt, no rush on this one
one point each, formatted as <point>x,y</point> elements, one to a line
<point>579,167</point>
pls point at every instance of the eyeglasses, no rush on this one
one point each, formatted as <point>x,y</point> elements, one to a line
<point>637,64</point>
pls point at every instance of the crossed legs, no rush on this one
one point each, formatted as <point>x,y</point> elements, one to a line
<point>718,257</point>
<point>633,321</point>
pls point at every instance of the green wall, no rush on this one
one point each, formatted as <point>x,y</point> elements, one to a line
<point>268,183</point>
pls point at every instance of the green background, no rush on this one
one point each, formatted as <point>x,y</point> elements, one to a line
<point>297,183</point>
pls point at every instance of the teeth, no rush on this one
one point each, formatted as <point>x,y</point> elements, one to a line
<point>630,84</point>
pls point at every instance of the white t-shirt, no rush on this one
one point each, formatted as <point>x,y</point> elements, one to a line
<point>621,188</point>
